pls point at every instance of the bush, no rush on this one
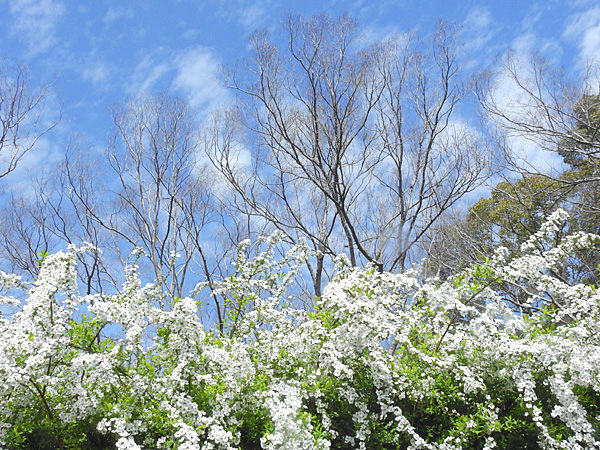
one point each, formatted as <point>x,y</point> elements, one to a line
<point>384,361</point>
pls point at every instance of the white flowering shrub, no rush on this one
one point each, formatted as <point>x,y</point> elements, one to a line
<point>384,361</point>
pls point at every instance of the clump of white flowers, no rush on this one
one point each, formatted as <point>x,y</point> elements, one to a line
<point>383,361</point>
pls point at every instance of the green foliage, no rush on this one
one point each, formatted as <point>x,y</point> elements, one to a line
<point>384,361</point>
<point>517,208</point>
<point>50,435</point>
<point>513,212</point>
<point>579,149</point>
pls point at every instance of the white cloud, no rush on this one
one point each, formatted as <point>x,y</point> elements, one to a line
<point>525,44</point>
<point>478,31</point>
<point>35,21</point>
<point>95,71</point>
<point>146,75</point>
<point>251,14</point>
<point>115,14</point>
<point>254,15</point>
<point>514,102</point>
<point>196,77</point>
<point>44,155</point>
<point>191,73</point>
<point>585,29</point>
<point>478,19</point>
<point>529,43</point>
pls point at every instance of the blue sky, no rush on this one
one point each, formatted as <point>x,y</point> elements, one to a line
<point>101,52</point>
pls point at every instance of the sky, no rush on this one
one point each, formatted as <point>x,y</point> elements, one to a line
<point>98,53</point>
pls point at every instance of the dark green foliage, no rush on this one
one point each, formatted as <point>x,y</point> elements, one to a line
<point>581,148</point>
<point>56,436</point>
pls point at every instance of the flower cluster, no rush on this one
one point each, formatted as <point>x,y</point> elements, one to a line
<point>382,361</point>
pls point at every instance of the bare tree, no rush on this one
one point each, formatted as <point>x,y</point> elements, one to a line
<point>21,123</point>
<point>352,146</point>
<point>529,98</point>
<point>159,197</point>
<point>24,236</point>
<point>285,201</point>
<point>48,216</point>
<point>532,105</point>
<point>149,189</point>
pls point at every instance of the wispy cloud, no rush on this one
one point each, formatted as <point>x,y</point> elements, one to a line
<point>44,156</point>
<point>193,73</point>
<point>525,44</point>
<point>478,31</point>
<point>530,42</point>
<point>512,100</point>
<point>478,28</point>
<point>95,71</point>
<point>147,74</point>
<point>115,14</point>
<point>254,15</point>
<point>251,14</point>
<point>196,77</point>
<point>584,28</point>
<point>35,22</point>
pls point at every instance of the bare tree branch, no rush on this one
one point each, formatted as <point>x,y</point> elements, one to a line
<point>21,123</point>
